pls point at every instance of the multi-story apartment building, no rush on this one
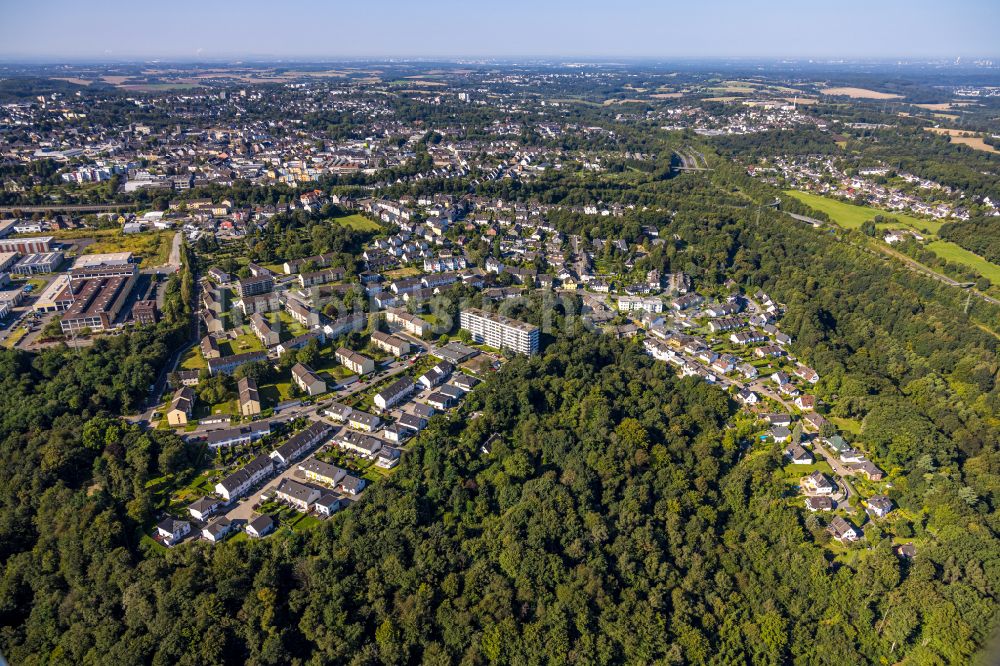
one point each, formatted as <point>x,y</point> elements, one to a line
<point>499,331</point>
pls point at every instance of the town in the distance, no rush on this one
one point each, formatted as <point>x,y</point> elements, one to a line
<point>769,292</point>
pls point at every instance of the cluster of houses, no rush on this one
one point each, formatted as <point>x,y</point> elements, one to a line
<point>880,185</point>
<point>322,488</point>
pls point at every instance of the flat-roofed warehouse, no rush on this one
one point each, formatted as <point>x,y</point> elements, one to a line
<point>105,258</point>
<point>98,271</point>
<point>7,259</point>
<point>36,245</point>
<point>57,295</point>
<point>46,262</point>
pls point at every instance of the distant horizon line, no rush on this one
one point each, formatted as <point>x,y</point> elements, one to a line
<point>10,59</point>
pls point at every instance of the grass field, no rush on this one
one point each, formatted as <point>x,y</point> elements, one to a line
<point>193,360</point>
<point>952,252</point>
<point>859,93</point>
<point>152,246</point>
<point>405,272</point>
<point>358,223</point>
<point>965,138</point>
<point>246,342</point>
<point>852,217</point>
<point>15,337</point>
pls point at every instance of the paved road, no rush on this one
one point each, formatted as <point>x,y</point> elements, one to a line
<point>840,469</point>
<point>175,251</point>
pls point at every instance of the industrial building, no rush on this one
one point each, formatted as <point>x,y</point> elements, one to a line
<point>46,262</point>
<point>97,302</point>
<point>34,245</point>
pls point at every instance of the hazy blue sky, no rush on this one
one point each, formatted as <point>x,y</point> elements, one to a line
<point>59,29</point>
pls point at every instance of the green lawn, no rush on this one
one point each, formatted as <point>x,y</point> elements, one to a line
<point>229,407</point>
<point>15,337</point>
<point>952,252</point>
<point>405,272</point>
<point>357,222</point>
<point>305,522</point>
<point>795,472</point>
<point>289,327</point>
<point>245,342</point>
<point>852,426</point>
<point>272,394</point>
<point>193,360</point>
<point>852,217</point>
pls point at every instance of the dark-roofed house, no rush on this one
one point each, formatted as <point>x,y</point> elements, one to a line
<point>387,457</point>
<point>181,407</point>
<point>358,363</point>
<point>867,468</point>
<point>352,485</point>
<point>252,286</point>
<point>436,375</point>
<point>185,378</point>
<point>242,480</point>
<point>307,380</point>
<point>218,439</point>
<point>227,364</point>
<point>300,341</point>
<point>422,410</point>
<point>363,421</point>
<point>798,455</point>
<point>879,506</point>
<point>298,495</point>
<point>300,443</point>
<point>322,472</point>
<point>821,503</point>
<point>390,343</point>
<point>262,329</point>
<point>327,505</point>
<point>780,433</point>
<point>203,508</point>
<point>260,526</point>
<point>394,393</point>
<point>210,347</point>
<point>440,401</point>
<point>364,445</point>
<point>249,396</point>
<point>302,313</point>
<point>412,422</point>
<point>170,530</point>
<point>817,484</point>
<point>778,419</point>
<point>396,433</point>
<point>338,412</point>
<point>842,530</point>
<point>217,530</point>
<point>464,381</point>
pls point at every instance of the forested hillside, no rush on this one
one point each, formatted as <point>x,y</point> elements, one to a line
<point>621,515</point>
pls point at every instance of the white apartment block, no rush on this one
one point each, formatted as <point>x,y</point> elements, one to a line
<point>499,331</point>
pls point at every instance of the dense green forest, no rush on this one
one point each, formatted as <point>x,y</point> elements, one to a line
<point>980,235</point>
